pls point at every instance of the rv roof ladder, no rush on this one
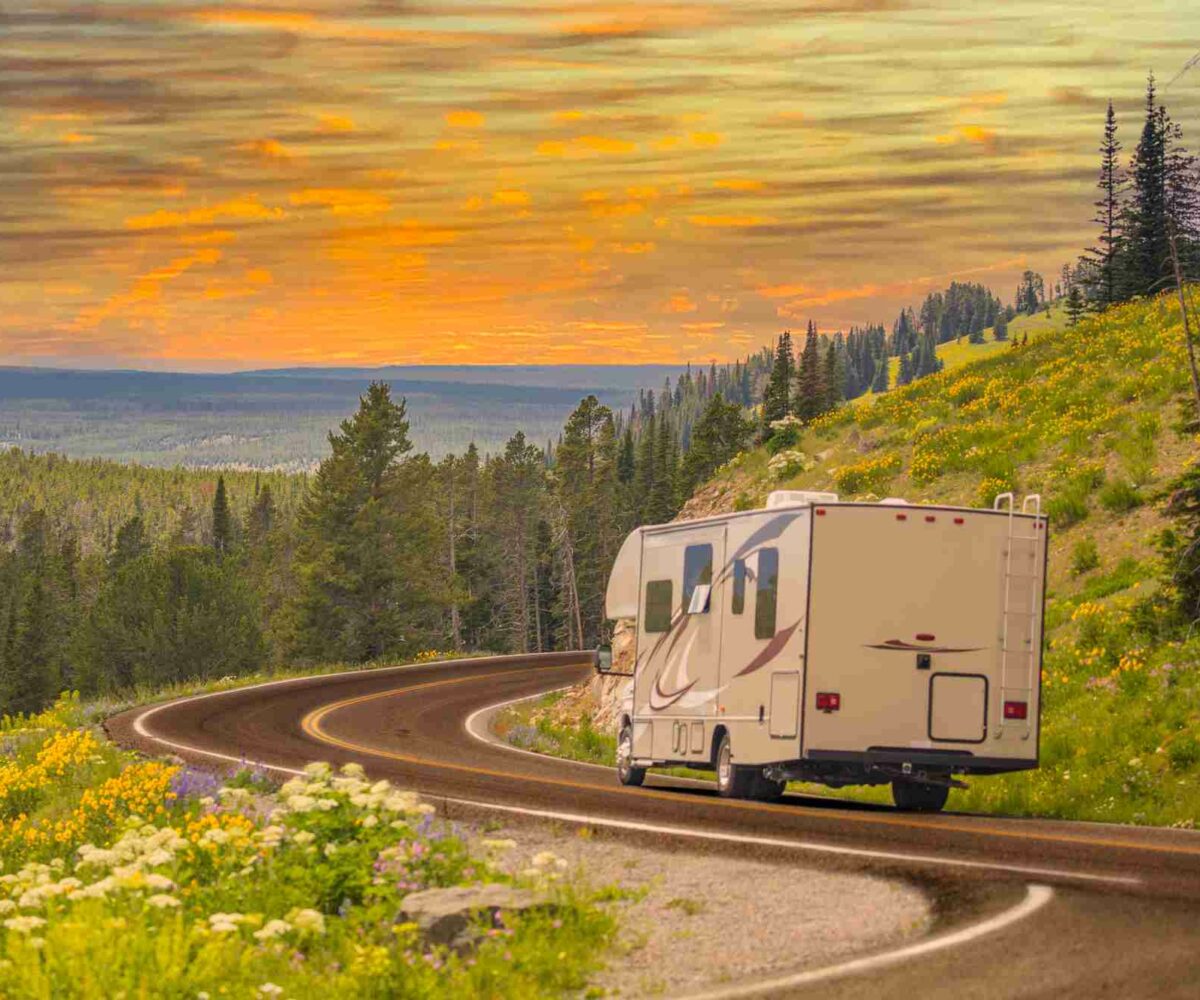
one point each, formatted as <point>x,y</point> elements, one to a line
<point>1020,634</point>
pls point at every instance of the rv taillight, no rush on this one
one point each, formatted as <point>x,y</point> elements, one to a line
<point>820,512</point>
<point>828,701</point>
<point>1016,710</point>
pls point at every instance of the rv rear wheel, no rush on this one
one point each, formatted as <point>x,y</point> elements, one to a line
<point>733,782</point>
<point>915,796</point>
<point>627,774</point>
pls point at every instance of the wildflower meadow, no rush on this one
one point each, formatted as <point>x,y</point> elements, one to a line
<point>121,876</point>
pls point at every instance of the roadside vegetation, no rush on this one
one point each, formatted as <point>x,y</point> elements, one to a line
<point>189,885</point>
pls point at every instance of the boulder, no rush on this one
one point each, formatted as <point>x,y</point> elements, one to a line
<point>445,916</point>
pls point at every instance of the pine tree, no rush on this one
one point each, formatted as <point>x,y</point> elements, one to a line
<point>905,373</point>
<point>368,576</point>
<point>811,395</point>
<point>1000,332</point>
<point>1075,305</point>
<point>1145,223</point>
<point>130,543</point>
<point>882,376</point>
<point>777,397</point>
<point>222,519</point>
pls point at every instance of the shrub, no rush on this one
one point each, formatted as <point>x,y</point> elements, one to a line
<point>1085,557</point>
<point>1119,496</point>
<point>866,475</point>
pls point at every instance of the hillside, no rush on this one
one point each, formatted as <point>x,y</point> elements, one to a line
<point>1091,418</point>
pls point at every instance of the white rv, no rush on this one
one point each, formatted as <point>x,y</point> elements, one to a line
<point>843,643</point>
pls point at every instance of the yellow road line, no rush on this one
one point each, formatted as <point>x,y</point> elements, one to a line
<point>311,724</point>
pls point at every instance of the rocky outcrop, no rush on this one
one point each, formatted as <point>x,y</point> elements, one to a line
<point>452,916</point>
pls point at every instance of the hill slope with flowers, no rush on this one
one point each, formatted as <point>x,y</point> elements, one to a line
<point>1095,419</point>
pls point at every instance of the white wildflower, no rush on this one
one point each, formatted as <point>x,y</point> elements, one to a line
<point>300,803</point>
<point>353,770</point>
<point>162,901</point>
<point>23,925</point>
<point>272,929</point>
<point>270,990</point>
<point>370,821</point>
<point>303,837</point>
<point>317,769</point>
<point>308,920</point>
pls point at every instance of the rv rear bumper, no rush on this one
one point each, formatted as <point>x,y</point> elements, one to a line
<point>889,758</point>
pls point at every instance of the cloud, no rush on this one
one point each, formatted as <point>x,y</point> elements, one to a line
<point>586,145</point>
<point>730,221</point>
<point>512,198</point>
<point>680,302</point>
<point>248,208</point>
<point>343,201</point>
<point>738,184</point>
<point>335,123</point>
<point>972,134</point>
<point>267,150</point>
<point>465,119</point>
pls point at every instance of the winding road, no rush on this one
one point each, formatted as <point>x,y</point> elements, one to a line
<point>1025,908</point>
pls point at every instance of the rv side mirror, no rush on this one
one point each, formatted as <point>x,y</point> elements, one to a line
<point>602,659</point>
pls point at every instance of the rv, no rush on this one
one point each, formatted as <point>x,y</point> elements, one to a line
<point>842,643</point>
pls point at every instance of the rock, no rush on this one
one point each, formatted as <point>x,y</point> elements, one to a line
<point>444,916</point>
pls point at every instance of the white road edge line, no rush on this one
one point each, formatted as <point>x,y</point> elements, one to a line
<point>139,726</point>
<point>1036,897</point>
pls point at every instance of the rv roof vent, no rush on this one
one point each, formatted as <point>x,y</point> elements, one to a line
<point>789,498</point>
<point>895,501</point>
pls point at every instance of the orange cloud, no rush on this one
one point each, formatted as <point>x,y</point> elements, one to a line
<point>739,184</point>
<point>633,248</point>
<point>680,302</point>
<point>975,134</point>
<point>511,198</point>
<point>343,201</point>
<point>585,145</point>
<point>464,119</point>
<point>245,209</point>
<point>335,123</point>
<point>241,17</point>
<point>270,150</point>
<point>140,301</point>
<point>74,138</point>
<point>730,221</point>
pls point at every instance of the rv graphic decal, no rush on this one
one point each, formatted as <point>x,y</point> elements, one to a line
<point>771,650</point>
<point>681,688</point>
<point>912,647</point>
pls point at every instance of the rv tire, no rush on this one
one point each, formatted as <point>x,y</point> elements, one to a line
<point>733,782</point>
<point>915,796</point>
<point>627,774</point>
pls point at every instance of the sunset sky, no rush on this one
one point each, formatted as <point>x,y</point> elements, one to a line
<point>468,181</point>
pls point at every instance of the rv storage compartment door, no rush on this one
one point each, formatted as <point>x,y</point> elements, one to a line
<point>958,708</point>
<point>785,705</point>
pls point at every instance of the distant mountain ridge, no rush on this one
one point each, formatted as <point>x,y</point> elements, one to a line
<point>279,418</point>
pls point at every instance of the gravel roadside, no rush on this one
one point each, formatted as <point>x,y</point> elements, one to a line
<point>692,921</point>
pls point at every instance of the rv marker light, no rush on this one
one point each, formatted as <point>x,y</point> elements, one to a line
<point>901,517</point>
<point>929,519</point>
<point>828,701</point>
<point>1016,710</point>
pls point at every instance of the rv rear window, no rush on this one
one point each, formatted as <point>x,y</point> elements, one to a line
<point>658,606</point>
<point>738,604</point>
<point>766,596</point>
<point>697,570</point>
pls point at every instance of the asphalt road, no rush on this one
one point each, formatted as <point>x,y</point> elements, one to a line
<point>1123,920</point>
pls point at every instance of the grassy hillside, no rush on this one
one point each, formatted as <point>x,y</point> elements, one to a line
<point>1092,419</point>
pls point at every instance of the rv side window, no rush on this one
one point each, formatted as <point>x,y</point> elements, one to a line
<point>766,595</point>
<point>738,604</point>
<point>697,570</point>
<point>658,606</point>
